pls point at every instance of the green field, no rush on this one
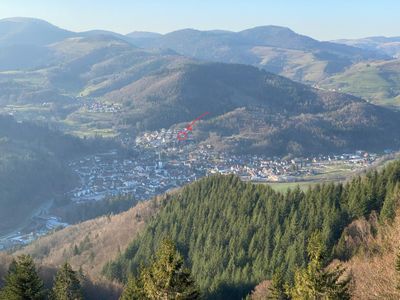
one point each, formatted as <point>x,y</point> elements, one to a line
<point>332,173</point>
<point>376,82</point>
<point>284,186</point>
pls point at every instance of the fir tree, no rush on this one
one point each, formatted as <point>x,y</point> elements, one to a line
<point>133,290</point>
<point>66,285</point>
<point>22,281</point>
<point>315,282</point>
<point>390,204</point>
<point>166,278</point>
<point>277,290</point>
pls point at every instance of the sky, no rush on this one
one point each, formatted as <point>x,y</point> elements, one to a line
<point>320,19</point>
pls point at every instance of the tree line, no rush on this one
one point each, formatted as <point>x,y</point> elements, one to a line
<point>235,234</point>
<point>23,282</point>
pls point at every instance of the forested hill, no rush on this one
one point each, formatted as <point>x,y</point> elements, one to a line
<point>251,110</point>
<point>32,167</point>
<point>276,49</point>
<point>235,234</point>
<point>35,137</point>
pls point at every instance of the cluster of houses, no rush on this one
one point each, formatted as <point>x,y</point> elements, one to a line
<point>102,107</point>
<point>145,175</point>
<point>163,138</point>
<point>248,167</point>
<point>39,226</point>
<point>275,169</point>
<point>155,170</point>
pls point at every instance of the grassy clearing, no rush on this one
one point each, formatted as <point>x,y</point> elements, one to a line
<point>375,82</point>
<point>284,186</point>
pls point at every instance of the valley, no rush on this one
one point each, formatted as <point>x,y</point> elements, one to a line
<point>166,163</point>
<point>248,163</point>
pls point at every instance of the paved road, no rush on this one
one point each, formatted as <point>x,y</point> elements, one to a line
<point>36,212</point>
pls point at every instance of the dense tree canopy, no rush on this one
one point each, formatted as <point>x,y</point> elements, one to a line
<point>66,285</point>
<point>316,282</point>
<point>22,281</point>
<point>165,278</point>
<point>236,234</point>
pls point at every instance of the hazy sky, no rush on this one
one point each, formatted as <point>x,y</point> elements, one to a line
<point>321,19</point>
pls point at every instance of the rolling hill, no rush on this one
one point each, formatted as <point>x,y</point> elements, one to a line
<point>23,42</point>
<point>255,111</point>
<point>385,45</point>
<point>273,48</point>
<point>251,110</point>
<point>377,82</point>
<point>19,31</point>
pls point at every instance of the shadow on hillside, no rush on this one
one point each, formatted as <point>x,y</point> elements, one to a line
<point>231,291</point>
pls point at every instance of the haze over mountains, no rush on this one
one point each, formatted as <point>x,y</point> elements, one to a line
<point>250,109</point>
<point>273,48</point>
<point>385,45</point>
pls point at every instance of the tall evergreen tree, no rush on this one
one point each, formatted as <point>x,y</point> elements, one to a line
<point>22,281</point>
<point>277,290</point>
<point>133,290</point>
<point>315,282</point>
<point>165,278</point>
<point>390,204</point>
<point>66,285</point>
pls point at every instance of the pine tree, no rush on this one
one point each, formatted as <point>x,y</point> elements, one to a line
<point>389,207</point>
<point>277,290</point>
<point>22,281</point>
<point>165,278</point>
<point>315,282</point>
<point>66,284</point>
<point>133,290</point>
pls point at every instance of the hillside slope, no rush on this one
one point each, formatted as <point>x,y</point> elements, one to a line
<point>235,234</point>
<point>256,112</point>
<point>23,42</point>
<point>30,31</point>
<point>32,168</point>
<point>373,267</point>
<point>386,45</point>
<point>377,82</point>
<point>97,241</point>
<point>273,48</point>
<point>251,110</point>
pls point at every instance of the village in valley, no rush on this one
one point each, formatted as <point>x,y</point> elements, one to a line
<point>159,162</point>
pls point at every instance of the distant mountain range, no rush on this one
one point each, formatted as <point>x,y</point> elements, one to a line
<point>385,45</point>
<point>251,110</point>
<point>275,49</point>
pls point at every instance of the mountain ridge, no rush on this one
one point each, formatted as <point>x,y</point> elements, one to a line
<point>273,48</point>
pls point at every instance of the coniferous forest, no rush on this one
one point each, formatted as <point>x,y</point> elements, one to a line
<point>234,234</point>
